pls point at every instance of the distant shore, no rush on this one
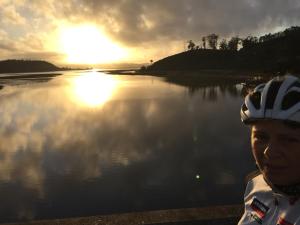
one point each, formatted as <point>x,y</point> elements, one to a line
<point>200,78</point>
<point>29,75</point>
<point>194,73</point>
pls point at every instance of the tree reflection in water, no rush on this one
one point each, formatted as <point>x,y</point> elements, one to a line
<point>213,86</point>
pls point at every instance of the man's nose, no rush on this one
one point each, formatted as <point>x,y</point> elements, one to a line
<point>272,150</point>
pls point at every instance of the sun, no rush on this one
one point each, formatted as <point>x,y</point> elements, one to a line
<point>86,44</point>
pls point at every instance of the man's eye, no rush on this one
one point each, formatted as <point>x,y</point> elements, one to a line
<point>261,137</point>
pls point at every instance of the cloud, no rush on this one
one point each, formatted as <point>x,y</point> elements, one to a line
<point>36,55</point>
<point>10,16</point>
<point>6,44</point>
<point>28,46</point>
<point>136,22</point>
<point>27,50</point>
<point>157,27</point>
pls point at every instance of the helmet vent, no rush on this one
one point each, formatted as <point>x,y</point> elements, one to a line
<point>272,93</point>
<point>290,100</point>
<point>295,84</point>
<point>255,99</point>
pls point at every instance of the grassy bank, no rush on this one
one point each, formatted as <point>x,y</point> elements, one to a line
<point>223,215</point>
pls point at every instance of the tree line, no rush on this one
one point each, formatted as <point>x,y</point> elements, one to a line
<point>212,41</point>
<point>278,52</point>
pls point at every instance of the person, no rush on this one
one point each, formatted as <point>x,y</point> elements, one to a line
<point>272,111</point>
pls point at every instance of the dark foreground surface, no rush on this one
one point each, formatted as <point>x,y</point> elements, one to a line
<point>225,215</point>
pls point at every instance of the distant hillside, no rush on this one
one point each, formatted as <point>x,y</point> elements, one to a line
<point>23,66</point>
<point>196,59</point>
<point>279,52</point>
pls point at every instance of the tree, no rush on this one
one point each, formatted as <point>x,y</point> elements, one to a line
<point>191,45</point>
<point>233,43</point>
<point>204,42</point>
<point>265,37</point>
<point>223,45</point>
<point>212,41</point>
<point>249,41</point>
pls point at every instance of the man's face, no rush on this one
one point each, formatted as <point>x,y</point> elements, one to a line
<point>276,149</point>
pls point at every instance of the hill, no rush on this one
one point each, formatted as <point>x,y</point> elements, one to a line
<point>279,52</point>
<point>23,66</point>
<point>196,60</point>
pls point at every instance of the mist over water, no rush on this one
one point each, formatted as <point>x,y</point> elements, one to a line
<point>86,143</point>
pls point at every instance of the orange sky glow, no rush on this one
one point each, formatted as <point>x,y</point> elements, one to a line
<point>86,44</point>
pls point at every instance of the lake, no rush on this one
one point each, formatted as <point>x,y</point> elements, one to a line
<point>86,143</point>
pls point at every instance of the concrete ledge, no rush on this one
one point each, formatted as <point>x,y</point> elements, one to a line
<point>228,214</point>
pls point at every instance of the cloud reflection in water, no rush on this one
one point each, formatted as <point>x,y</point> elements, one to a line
<point>141,140</point>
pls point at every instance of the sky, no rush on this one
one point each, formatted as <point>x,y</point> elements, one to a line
<point>95,32</point>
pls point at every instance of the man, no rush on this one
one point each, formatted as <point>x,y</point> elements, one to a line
<point>272,111</point>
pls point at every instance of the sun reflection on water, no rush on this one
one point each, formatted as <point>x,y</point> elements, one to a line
<point>93,89</point>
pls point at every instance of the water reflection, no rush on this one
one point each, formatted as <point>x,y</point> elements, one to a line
<point>211,85</point>
<point>140,150</point>
<point>93,89</point>
<point>213,93</point>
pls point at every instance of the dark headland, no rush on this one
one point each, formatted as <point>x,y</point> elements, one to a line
<point>28,66</point>
<point>24,66</point>
<point>272,53</point>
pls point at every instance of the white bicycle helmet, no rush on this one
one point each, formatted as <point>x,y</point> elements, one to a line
<point>278,99</point>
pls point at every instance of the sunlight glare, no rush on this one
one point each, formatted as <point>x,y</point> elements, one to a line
<point>93,89</point>
<point>86,44</point>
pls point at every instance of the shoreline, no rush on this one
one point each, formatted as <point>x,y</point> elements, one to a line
<point>29,75</point>
<point>204,72</point>
<point>200,78</point>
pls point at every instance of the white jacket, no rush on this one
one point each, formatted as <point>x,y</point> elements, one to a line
<point>263,206</point>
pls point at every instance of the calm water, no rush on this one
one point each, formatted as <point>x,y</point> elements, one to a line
<point>86,143</point>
